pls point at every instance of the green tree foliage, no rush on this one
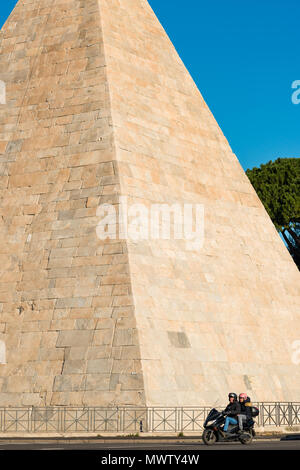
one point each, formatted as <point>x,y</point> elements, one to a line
<point>278,187</point>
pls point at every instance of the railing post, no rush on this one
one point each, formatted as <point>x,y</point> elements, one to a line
<point>152,419</point>
<point>119,420</point>
<point>149,420</point>
<point>64,419</point>
<point>262,422</point>
<point>31,418</point>
<point>277,414</point>
<point>259,415</point>
<point>180,419</point>
<point>290,414</point>
<point>90,420</point>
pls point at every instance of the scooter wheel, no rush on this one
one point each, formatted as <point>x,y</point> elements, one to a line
<point>245,438</point>
<point>209,437</point>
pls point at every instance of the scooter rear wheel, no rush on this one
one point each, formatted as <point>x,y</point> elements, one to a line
<point>245,438</point>
<point>209,437</point>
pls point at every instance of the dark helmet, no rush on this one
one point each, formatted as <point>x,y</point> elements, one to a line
<point>232,395</point>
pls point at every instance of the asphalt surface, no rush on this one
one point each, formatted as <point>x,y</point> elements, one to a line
<point>131,445</point>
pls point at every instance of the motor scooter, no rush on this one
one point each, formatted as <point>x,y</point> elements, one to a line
<point>213,430</point>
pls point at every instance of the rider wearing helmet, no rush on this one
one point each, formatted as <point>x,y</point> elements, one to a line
<point>245,412</point>
<point>231,411</point>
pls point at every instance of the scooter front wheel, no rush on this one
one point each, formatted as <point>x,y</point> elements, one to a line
<point>209,437</point>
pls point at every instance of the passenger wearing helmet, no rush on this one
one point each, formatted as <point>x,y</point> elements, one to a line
<point>231,411</point>
<point>245,412</point>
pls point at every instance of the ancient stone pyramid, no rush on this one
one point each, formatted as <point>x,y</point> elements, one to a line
<point>98,106</point>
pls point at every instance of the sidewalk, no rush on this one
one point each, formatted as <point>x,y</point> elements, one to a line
<point>145,437</point>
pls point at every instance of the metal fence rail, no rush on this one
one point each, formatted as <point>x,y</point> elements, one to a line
<point>130,420</point>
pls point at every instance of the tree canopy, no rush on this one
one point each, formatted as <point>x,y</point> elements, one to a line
<point>278,187</point>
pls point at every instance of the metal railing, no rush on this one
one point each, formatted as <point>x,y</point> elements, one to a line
<point>131,420</point>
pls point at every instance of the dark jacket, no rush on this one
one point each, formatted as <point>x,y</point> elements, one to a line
<point>233,409</point>
<point>246,410</point>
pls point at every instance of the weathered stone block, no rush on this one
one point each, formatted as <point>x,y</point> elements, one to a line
<point>97,382</point>
<point>103,337</point>
<point>125,337</point>
<point>99,366</point>
<point>68,383</point>
<point>74,338</point>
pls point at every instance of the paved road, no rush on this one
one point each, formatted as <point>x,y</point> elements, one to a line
<point>178,446</point>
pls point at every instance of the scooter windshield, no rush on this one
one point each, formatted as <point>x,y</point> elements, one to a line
<point>212,415</point>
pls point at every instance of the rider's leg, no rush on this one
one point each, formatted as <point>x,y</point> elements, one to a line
<point>241,419</point>
<point>228,421</point>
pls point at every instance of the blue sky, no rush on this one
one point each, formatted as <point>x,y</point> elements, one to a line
<point>244,56</point>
